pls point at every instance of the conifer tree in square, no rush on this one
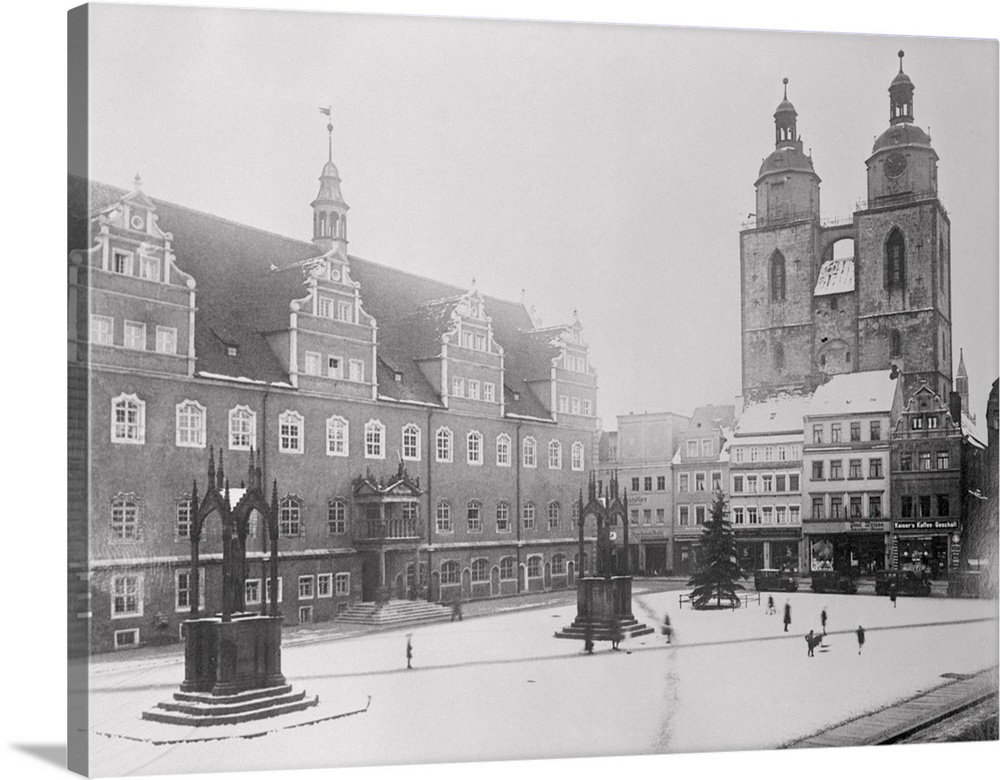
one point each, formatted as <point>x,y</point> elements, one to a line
<point>716,578</point>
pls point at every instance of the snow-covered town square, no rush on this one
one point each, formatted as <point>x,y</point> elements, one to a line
<point>515,691</point>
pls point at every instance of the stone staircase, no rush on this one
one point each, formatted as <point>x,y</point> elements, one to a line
<point>395,613</point>
<point>601,630</point>
<point>205,709</point>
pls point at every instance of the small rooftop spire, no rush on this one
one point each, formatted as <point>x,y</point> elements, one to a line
<point>137,183</point>
<point>901,54</point>
<point>329,130</point>
<point>785,82</point>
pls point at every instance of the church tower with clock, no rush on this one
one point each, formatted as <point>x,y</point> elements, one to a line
<point>808,314</point>
<point>903,248</point>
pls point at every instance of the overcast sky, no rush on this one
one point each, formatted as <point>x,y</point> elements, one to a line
<point>604,169</point>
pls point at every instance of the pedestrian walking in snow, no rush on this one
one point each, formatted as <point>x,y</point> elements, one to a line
<point>616,634</point>
<point>810,643</point>
<point>861,639</point>
<point>588,639</point>
<point>456,610</point>
<point>409,651</point>
<point>788,615</point>
<point>822,619</point>
<point>628,643</point>
<point>668,630</point>
<point>770,606</point>
<point>893,592</point>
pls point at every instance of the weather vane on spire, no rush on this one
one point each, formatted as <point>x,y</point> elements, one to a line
<point>785,82</point>
<point>329,129</point>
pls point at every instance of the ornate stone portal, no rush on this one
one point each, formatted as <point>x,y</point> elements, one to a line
<point>232,660</point>
<point>604,599</point>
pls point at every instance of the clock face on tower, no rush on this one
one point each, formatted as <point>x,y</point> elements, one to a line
<point>895,165</point>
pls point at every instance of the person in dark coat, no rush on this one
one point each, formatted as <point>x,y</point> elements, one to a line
<point>409,651</point>
<point>616,634</point>
<point>822,619</point>
<point>893,592</point>
<point>456,610</point>
<point>668,630</point>
<point>770,606</point>
<point>588,639</point>
<point>861,639</point>
<point>788,615</point>
<point>810,643</point>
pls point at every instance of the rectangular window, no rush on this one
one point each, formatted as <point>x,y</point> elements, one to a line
<point>794,515</point>
<point>306,614</point>
<point>855,506</point>
<point>149,268</point>
<point>660,516</point>
<point>647,516</point>
<point>817,507</point>
<point>906,461</point>
<point>474,389</point>
<point>737,515</point>
<point>706,448</point>
<point>585,407</point>
<point>574,405</point>
<point>767,515</point>
<point>135,335</point>
<point>290,433</point>
<point>270,593</point>
<point>121,262</point>
<point>780,514</point>
<point>782,452</point>
<point>503,517</point>
<point>942,459</point>
<point>793,483</point>
<point>647,484</point>
<point>474,517</point>
<point>932,421</point>
<point>854,469</point>
<point>326,308</point>
<point>835,432</point>
<point>766,483</point>
<point>126,595</point>
<point>916,423</point>
<point>458,387</point>
<point>324,586</point>
<point>345,311</point>
<point>699,515</point>
<point>874,506</point>
<point>334,367</point>
<point>692,448</point>
<point>357,368</point>
<point>817,469</point>
<point>182,589</point>
<point>875,430</point>
<point>661,483</point>
<point>752,515</point>
<point>924,461</point>
<point>684,515</point>
<point>699,481</point>
<point>906,506</point>
<point>855,431</point>
<point>635,484</point>
<point>313,361</point>
<point>836,507</point>
<point>836,469</point>
<point>307,586</point>
<point>251,592</point>
<point>125,520</point>
<point>564,403</point>
<point>182,524</point>
<point>817,434</point>
<point>779,483</point>
<point>489,392</point>
<point>925,506</point>
<point>769,453</point>
<point>751,483</point>
<point>683,481</point>
<point>480,342</point>
<point>875,468</point>
<point>127,638</point>
<point>102,330</point>
<point>737,484</point>
<point>716,481</point>
<point>634,517</point>
<point>943,505</point>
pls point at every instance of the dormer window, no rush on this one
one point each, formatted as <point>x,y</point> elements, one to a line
<point>326,308</point>
<point>231,351</point>
<point>149,268</point>
<point>121,262</point>
<point>345,311</point>
<point>480,342</point>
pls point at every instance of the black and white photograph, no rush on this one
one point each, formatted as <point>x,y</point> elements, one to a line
<point>447,389</point>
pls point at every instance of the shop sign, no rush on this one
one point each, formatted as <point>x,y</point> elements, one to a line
<point>926,525</point>
<point>756,532</point>
<point>844,527</point>
<point>869,525</point>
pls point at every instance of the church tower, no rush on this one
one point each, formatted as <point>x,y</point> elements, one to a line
<point>329,209</point>
<point>903,249</point>
<point>779,262</point>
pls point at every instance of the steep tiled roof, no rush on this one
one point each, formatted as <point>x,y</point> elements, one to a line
<point>246,280</point>
<point>777,415</point>
<point>863,392</point>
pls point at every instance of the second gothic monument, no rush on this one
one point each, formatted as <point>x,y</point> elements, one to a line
<point>807,315</point>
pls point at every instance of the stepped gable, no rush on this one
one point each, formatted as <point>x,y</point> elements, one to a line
<point>246,279</point>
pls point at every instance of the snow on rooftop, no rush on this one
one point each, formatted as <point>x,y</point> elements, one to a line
<point>863,392</point>
<point>835,276</point>
<point>781,414</point>
<point>972,431</point>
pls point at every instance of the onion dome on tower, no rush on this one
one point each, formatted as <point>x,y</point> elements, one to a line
<point>787,184</point>
<point>902,160</point>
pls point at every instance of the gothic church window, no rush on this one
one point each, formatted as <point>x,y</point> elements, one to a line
<point>895,344</point>
<point>777,277</point>
<point>895,261</point>
<point>779,357</point>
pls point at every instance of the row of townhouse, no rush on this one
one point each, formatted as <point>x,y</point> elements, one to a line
<point>423,441</point>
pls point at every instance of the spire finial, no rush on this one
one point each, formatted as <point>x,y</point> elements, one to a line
<point>329,130</point>
<point>785,82</point>
<point>137,182</point>
<point>901,54</point>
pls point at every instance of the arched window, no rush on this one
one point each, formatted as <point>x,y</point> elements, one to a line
<point>290,426</point>
<point>895,344</point>
<point>503,450</point>
<point>474,513</point>
<point>528,449</point>
<point>443,517</point>
<point>507,568</point>
<point>128,420</point>
<point>777,277</point>
<point>374,439</point>
<point>895,261</point>
<point>480,570</point>
<point>474,448</point>
<point>443,442</point>
<point>411,442</point>
<point>125,517</point>
<point>190,424</point>
<point>290,516</point>
<point>242,428</point>
<point>555,454</point>
<point>535,566</point>
<point>503,517</point>
<point>449,573</point>
<point>528,515</point>
<point>336,516</point>
<point>779,357</point>
<point>576,456</point>
<point>553,514</point>
<point>336,437</point>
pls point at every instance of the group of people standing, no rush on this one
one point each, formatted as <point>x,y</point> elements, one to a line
<point>814,640</point>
